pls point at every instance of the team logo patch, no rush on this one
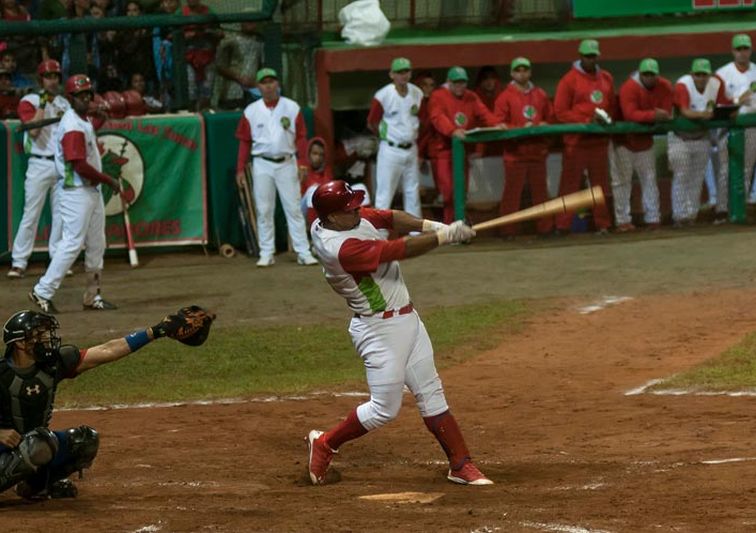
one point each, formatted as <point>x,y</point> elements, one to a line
<point>414,110</point>
<point>710,105</point>
<point>460,119</point>
<point>597,96</point>
<point>285,123</point>
<point>529,112</point>
<point>753,87</point>
<point>122,160</point>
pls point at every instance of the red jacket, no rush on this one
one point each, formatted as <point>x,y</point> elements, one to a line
<point>316,176</point>
<point>448,113</point>
<point>578,95</point>
<point>638,104</point>
<point>517,109</point>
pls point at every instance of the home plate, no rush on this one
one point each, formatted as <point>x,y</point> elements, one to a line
<point>404,497</point>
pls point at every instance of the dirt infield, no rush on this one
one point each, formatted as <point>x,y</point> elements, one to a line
<point>545,414</point>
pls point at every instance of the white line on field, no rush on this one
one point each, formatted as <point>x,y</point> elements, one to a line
<point>152,528</point>
<point>221,401</point>
<point>732,460</point>
<point>605,302</point>
<point>643,389</point>
<point>565,528</point>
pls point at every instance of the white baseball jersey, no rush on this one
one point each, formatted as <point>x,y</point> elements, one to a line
<point>400,122</point>
<point>44,143</point>
<point>737,82</point>
<point>351,263</point>
<point>273,130</point>
<point>701,101</point>
<point>71,121</point>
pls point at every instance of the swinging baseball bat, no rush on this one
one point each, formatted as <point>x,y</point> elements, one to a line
<point>133,258</point>
<point>38,123</point>
<point>563,204</point>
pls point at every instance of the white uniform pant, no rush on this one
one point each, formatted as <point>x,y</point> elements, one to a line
<point>267,178</point>
<point>643,163</point>
<point>395,164</point>
<point>749,160</point>
<point>688,162</point>
<point>82,215</point>
<point>40,178</point>
<point>396,352</point>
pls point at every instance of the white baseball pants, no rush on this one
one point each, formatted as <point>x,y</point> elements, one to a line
<point>643,163</point>
<point>82,215</point>
<point>687,160</point>
<point>267,178</point>
<point>396,352</point>
<point>393,165</point>
<point>723,191</point>
<point>40,178</point>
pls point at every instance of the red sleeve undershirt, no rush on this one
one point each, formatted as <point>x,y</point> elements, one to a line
<point>244,134</point>
<point>375,114</point>
<point>358,257</point>
<point>301,140</point>
<point>75,152</point>
<point>26,111</point>
<point>681,98</point>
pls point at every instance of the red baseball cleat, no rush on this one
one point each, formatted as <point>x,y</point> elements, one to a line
<point>468,475</point>
<point>320,456</point>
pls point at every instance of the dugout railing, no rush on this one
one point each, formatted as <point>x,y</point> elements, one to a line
<point>735,143</point>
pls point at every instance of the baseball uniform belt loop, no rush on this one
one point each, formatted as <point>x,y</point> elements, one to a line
<point>403,146</point>
<point>279,159</point>
<point>48,157</point>
<point>407,309</point>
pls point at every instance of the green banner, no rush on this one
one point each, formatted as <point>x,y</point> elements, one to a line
<point>160,160</point>
<point>602,8</point>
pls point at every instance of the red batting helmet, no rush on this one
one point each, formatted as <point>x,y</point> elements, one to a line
<point>116,105</point>
<point>78,83</point>
<point>135,106</point>
<point>47,66</point>
<point>336,196</point>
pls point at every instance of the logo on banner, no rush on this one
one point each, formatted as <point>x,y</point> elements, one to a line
<point>121,160</point>
<point>460,119</point>
<point>597,97</point>
<point>529,112</point>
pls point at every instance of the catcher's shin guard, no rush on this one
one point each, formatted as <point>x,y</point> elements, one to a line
<point>37,448</point>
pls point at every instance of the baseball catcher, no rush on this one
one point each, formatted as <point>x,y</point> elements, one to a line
<point>33,458</point>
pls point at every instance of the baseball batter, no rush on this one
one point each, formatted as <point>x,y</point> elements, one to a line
<point>394,116</point>
<point>645,97</point>
<point>695,96</point>
<point>80,203</point>
<point>35,459</point>
<point>739,77</point>
<point>273,131</point>
<point>41,176</point>
<point>363,268</point>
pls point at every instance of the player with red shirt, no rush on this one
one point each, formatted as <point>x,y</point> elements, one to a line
<point>523,105</point>
<point>585,89</point>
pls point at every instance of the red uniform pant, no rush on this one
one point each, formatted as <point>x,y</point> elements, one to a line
<point>444,178</point>
<point>517,172</point>
<point>594,158</point>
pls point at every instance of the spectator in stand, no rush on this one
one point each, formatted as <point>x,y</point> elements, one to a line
<point>201,42</point>
<point>584,90</point>
<point>239,57</point>
<point>162,52</point>
<point>20,82</point>
<point>523,105</point>
<point>26,48</point>
<point>135,47</point>
<point>318,172</point>
<point>137,83</point>
<point>454,109</point>
<point>9,98</point>
<point>695,96</point>
<point>80,52</point>
<point>107,7</point>
<point>110,80</point>
<point>646,97</point>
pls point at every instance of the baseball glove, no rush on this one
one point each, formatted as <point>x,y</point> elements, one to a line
<point>189,325</point>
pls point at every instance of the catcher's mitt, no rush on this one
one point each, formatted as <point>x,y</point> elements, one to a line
<point>190,325</point>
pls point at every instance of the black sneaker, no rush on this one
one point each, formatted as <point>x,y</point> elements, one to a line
<point>100,304</point>
<point>43,303</point>
<point>64,488</point>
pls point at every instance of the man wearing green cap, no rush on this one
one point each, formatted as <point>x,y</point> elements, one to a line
<point>645,97</point>
<point>273,132</point>
<point>454,109</point>
<point>522,105</point>
<point>394,116</point>
<point>696,95</point>
<point>583,95</point>
<point>739,77</point>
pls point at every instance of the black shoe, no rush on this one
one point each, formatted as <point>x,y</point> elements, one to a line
<point>63,488</point>
<point>43,303</point>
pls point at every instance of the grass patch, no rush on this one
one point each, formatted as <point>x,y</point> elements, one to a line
<point>735,369</point>
<point>276,360</point>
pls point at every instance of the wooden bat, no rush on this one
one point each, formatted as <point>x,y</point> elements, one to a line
<point>562,204</point>
<point>38,123</point>
<point>249,238</point>
<point>133,258</point>
<point>250,202</point>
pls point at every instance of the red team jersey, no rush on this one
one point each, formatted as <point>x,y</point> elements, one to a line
<point>516,108</point>
<point>638,104</point>
<point>578,95</point>
<point>448,113</point>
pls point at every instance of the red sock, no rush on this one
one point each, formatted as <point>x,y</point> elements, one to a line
<point>449,436</point>
<point>347,430</point>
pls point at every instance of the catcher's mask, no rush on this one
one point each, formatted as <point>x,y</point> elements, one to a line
<point>26,326</point>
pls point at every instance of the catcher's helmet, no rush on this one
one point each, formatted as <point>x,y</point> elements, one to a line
<point>47,66</point>
<point>336,196</point>
<point>78,83</point>
<point>22,325</point>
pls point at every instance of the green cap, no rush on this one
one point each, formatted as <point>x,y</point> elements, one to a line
<point>649,65</point>
<point>589,47</point>
<point>701,65</point>
<point>266,73</point>
<point>520,62</point>
<point>400,63</point>
<point>456,74</point>
<point>741,40</point>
